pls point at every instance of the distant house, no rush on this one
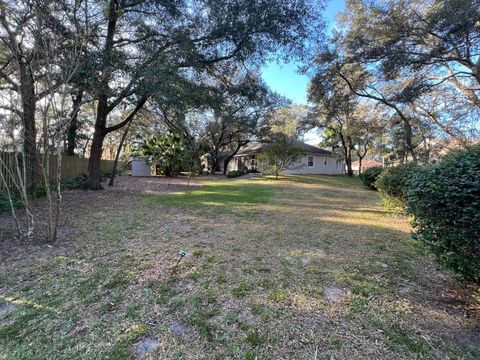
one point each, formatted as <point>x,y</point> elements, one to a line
<point>365,165</point>
<point>207,163</point>
<point>315,160</point>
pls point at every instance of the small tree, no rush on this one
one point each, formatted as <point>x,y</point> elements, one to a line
<point>280,155</point>
<point>165,151</point>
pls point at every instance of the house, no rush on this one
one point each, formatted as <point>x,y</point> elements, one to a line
<point>365,165</point>
<point>207,163</point>
<point>314,161</point>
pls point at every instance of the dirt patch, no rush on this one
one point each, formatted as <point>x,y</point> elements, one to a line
<point>178,328</point>
<point>334,294</point>
<point>7,308</point>
<point>145,346</point>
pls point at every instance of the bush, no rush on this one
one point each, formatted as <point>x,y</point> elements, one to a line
<point>5,203</point>
<point>445,203</point>
<point>235,173</point>
<point>76,182</point>
<point>370,175</point>
<point>393,183</point>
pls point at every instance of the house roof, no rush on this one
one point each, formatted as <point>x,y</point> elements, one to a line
<point>252,148</point>
<point>255,147</point>
<point>220,154</point>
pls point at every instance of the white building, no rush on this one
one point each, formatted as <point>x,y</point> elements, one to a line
<point>315,161</point>
<point>140,167</point>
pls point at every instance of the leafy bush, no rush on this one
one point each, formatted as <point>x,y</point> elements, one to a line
<point>5,204</point>
<point>235,173</point>
<point>393,183</point>
<point>76,182</point>
<point>105,175</point>
<point>370,175</point>
<point>445,203</point>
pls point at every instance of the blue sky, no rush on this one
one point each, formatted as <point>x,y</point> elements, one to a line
<point>284,78</point>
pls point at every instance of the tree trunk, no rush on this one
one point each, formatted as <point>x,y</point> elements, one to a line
<point>73,126</point>
<point>96,150</point>
<point>408,139</point>
<point>348,162</point>
<point>214,162</point>
<point>99,134</point>
<point>225,164</point>
<point>85,147</point>
<point>27,92</point>
<point>347,152</point>
<point>230,157</point>
<point>361,156</point>
<point>117,156</point>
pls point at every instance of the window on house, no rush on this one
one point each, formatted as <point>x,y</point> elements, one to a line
<point>310,161</point>
<point>325,161</point>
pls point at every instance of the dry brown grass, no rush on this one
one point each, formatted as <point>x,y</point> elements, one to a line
<point>276,269</point>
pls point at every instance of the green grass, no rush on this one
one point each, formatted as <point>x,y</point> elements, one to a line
<point>240,290</point>
<point>222,195</point>
<point>262,254</point>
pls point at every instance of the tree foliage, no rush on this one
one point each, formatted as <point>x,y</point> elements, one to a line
<point>280,155</point>
<point>165,151</point>
<point>348,123</point>
<point>416,60</point>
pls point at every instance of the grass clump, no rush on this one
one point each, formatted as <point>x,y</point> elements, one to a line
<point>121,350</point>
<point>278,295</point>
<point>254,338</point>
<point>240,291</point>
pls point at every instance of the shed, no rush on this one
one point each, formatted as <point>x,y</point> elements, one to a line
<point>140,167</point>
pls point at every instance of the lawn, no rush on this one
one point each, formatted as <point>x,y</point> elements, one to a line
<point>274,270</point>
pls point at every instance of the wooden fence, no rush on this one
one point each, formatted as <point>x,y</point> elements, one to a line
<point>71,166</point>
<point>9,170</point>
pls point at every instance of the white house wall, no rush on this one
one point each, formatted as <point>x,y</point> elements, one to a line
<point>322,165</point>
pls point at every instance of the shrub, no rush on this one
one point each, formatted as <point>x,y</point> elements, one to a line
<point>235,173</point>
<point>393,183</point>
<point>370,175</point>
<point>76,182</point>
<point>5,203</point>
<point>445,203</point>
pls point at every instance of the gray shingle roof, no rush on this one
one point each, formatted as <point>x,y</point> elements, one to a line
<point>255,147</point>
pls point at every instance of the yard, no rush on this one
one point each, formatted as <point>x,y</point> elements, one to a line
<point>300,268</point>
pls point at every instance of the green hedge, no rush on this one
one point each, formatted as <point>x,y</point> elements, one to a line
<point>370,175</point>
<point>235,173</point>
<point>444,200</point>
<point>393,184</point>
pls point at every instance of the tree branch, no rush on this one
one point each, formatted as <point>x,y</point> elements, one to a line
<point>129,117</point>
